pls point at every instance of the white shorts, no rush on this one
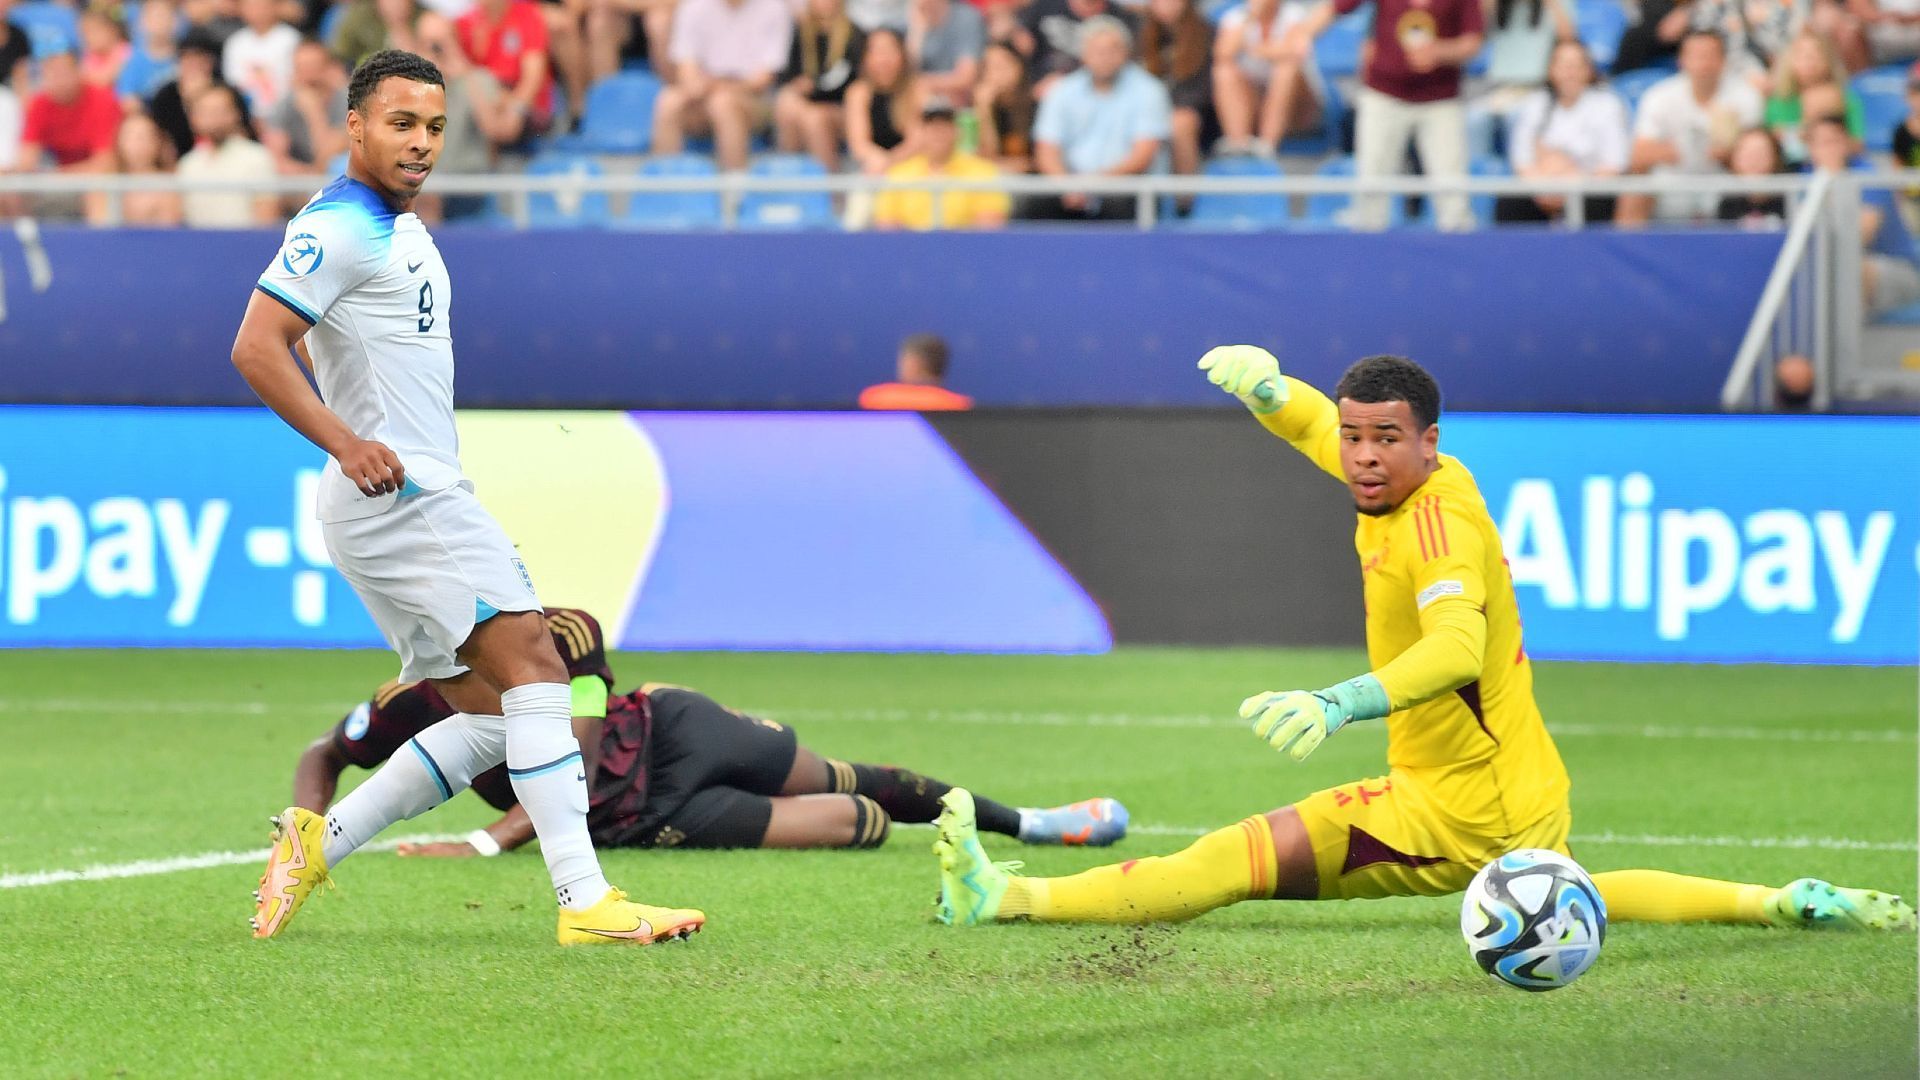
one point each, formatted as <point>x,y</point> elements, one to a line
<point>429,570</point>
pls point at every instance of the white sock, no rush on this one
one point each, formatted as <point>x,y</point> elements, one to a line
<point>425,772</point>
<point>544,763</point>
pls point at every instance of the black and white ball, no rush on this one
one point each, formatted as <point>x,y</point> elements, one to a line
<point>1533,919</point>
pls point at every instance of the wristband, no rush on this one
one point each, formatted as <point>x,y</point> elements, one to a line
<point>483,842</point>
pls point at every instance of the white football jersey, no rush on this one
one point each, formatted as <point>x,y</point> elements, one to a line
<point>373,287</point>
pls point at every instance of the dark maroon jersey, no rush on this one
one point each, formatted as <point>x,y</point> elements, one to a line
<point>617,791</point>
<point>371,733</point>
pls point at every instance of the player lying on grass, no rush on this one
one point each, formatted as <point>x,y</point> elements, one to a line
<point>1472,772</point>
<point>672,768</point>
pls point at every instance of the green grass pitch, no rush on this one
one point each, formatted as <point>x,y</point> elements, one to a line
<point>829,963</point>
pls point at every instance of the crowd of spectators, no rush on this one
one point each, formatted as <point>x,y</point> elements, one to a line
<point>972,89</point>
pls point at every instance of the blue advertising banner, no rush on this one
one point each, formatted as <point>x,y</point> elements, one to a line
<point>1791,539</point>
<point>1712,539</point>
<point>149,527</point>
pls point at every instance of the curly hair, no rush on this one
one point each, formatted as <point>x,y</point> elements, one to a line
<point>387,64</point>
<point>1393,378</point>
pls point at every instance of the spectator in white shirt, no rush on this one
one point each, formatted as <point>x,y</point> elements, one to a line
<point>224,152</point>
<point>1686,126</point>
<point>258,58</point>
<point>1570,127</point>
<point>726,55</point>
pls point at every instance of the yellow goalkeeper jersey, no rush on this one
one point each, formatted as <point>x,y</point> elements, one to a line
<point>1444,639</point>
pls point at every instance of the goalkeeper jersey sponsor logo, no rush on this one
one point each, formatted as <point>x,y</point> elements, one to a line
<point>1437,590</point>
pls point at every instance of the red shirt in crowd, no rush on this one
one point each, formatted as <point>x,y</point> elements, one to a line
<point>1399,23</point>
<point>75,131</point>
<point>913,396</point>
<point>500,47</point>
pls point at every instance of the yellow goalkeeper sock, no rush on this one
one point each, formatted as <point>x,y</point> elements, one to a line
<point>1657,896</point>
<point>1223,867</point>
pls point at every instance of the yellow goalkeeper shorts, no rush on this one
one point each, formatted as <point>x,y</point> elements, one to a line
<point>1387,836</point>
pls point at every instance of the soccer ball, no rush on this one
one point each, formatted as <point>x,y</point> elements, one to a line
<point>1533,919</point>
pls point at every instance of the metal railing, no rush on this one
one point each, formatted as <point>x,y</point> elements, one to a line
<point>513,189</point>
<point>1794,314</point>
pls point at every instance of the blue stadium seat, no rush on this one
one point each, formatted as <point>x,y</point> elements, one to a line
<point>549,211</point>
<point>678,209</point>
<point>1600,24</point>
<point>50,26</point>
<point>1338,50</point>
<point>1213,211</point>
<point>1883,94</point>
<point>329,22</point>
<point>1329,211</point>
<point>787,210</point>
<point>338,166</point>
<point>1630,85</point>
<point>619,115</point>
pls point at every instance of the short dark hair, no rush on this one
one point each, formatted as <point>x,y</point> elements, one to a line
<point>1705,32</point>
<point>932,351</point>
<point>388,64</point>
<point>1392,378</point>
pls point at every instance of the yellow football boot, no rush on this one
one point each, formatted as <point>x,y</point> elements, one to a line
<point>296,867</point>
<point>615,920</point>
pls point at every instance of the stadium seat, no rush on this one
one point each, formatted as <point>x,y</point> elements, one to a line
<point>329,23</point>
<point>1630,85</point>
<point>787,210</point>
<point>50,26</point>
<point>566,211</point>
<point>1338,50</point>
<point>337,166</point>
<point>1216,211</point>
<point>1330,211</point>
<point>677,209</point>
<point>1883,93</point>
<point>1600,24</point>
<point>619,115</point>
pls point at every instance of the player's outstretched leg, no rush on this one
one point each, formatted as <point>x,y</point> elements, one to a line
<point>1224,867</point>
<point>913,798</point>
<point>1658,896</point>
<point>429,769</point>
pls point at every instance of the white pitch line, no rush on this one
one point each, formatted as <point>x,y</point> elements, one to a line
<point>203,861</point>
<point>207,860</point>
<point>1070,719</point>
<point>1793,843</point>
<point>994,718</point>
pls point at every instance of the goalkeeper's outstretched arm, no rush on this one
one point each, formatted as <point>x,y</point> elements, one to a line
<point>1284,405</point>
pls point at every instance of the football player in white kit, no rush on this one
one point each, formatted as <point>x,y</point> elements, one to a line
<point>359,287</point>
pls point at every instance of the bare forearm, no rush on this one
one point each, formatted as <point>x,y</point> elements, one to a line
<point>1050,160</point>
<point>272,373</point>
<point>512,830</point>
<point>316,778</point>
<point>1138,161</point>
<point>1456,51</point>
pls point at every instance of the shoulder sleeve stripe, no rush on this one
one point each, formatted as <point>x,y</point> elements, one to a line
<point>293,305</point>
<point>1432,529</point>
<point>567,631</point>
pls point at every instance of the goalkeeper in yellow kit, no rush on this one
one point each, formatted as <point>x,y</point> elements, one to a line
<point>1472,772</point>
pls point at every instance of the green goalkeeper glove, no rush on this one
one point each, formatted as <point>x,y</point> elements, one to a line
<point>1298,722</point>
<point>1249,373</point>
